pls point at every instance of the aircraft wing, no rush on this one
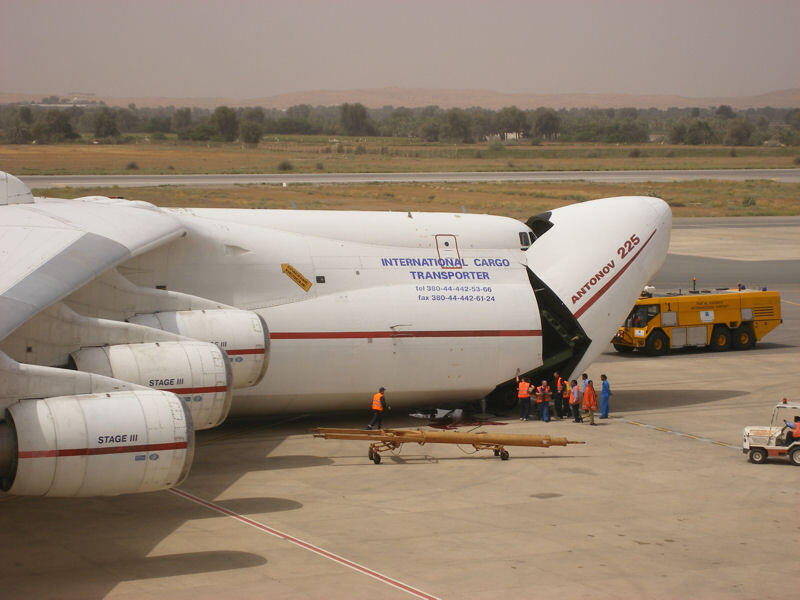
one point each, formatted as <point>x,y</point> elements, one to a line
<point>49,248</point>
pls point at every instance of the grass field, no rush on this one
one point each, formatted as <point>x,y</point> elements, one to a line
<point>307,154</point>
<point>517,200</point>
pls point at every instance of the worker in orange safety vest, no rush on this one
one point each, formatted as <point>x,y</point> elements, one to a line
<point>590,401</point>
<point>524,397</point>
<point>575,402</point>
<point>378,406</point>
<point>543,399</point>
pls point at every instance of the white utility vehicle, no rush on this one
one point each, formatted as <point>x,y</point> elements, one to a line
<point>762,442</point>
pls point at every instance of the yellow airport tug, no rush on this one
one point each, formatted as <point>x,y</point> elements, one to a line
<point>718,319</point>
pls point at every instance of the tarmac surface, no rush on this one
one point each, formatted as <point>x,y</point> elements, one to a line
<point>659,503</point>
<point>51,181</point>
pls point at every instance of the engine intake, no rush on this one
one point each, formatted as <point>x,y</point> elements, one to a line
<point>96,444</point>
<point>197,372</point>
<point>242,334</point>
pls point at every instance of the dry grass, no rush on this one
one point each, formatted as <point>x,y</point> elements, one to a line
<point>517,200</point>
<point>308,153</point>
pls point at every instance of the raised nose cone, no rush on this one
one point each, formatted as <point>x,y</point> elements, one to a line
<point>597,257</point>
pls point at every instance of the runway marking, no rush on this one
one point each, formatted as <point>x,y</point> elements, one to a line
<point>307,546</point>
<point>790,302</point>
<point>678,433</point>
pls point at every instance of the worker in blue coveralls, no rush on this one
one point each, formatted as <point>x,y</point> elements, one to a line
<point>605,394</point>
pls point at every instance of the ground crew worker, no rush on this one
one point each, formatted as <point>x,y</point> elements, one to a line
<point>524,397</point>
<point>561,383</point>
<point>590,401</point>
<point>565,398</point>
<point>543,399</point>
<point>605,394</point>
<point>575,402</point>
<point>378,406</point>
<point>793,435</point>
<point>584,381</point>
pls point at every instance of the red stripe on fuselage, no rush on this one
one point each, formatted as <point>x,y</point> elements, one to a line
<point>245,351</point>
<point>101,450</point>
<point>335,335</point>
<point>611,281</point>
<point>197,390</point>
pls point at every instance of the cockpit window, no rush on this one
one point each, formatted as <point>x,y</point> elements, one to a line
<point>641,315</point>
<point>524,240</point>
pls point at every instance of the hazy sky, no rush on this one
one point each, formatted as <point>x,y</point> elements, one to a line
<point>248,49</point>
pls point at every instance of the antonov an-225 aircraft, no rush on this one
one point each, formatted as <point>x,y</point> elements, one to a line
<point>124,327</point>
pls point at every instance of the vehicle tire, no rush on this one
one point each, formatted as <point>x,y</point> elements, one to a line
<point>623,349</point>
<point>758,456</point>
<point>504,455</point>
<point>376,458</point>
<point>794,456</point>
<point>371,454</point>
<point>657,343</point>
<point>720,338</point>
<point>497,452</point>
<point>743,337</point>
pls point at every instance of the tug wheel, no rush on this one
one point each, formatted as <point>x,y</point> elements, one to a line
<point>794,456</point>
<point>758,456</point>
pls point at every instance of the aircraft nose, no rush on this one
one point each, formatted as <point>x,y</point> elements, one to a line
<point>597,257</point>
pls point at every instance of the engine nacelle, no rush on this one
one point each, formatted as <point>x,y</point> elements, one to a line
<point>242,334</point>
<point>96,444</point>
<point>197,372</point>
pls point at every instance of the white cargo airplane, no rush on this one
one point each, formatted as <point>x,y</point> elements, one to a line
<point>124,327</point>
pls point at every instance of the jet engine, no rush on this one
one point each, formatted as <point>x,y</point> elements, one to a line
<point>242,334</point>
<point>197,372</point>
<point>95,444</point>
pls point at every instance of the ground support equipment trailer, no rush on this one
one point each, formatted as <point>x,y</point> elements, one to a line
<point>762,442</point>
<point>720,320</point>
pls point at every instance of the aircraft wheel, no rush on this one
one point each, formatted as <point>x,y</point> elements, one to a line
<point>657,344</point>
<point>758,456</point>
<point>504,455</point>
<point>623,349</point>
<point>376,458</point>
<point>794,456</point>
<point>743,337</point>
<point>720,338</point>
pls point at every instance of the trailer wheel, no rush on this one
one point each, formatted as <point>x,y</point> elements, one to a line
<point>497,452</point>
<point>743,337</point>
<point>623,349</point>
<point>758,456</point>
<point>376,458</point>
<point>794,456</point>
<point>720,338</point>
<point>656,344</point>
<point>504,455</point>
<point>371,454</point>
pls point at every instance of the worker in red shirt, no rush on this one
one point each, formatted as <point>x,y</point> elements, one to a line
<point>590,401</point>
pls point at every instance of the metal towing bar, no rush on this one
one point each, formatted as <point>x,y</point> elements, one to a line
<point>390,439</point>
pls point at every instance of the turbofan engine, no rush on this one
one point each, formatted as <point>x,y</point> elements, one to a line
<point>197,372</point>
<point>242,334</point>
<point>95,444</point>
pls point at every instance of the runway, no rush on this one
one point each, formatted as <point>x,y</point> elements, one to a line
<point>53,181</point>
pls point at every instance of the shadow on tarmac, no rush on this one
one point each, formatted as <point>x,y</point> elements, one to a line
<point>649,399</point>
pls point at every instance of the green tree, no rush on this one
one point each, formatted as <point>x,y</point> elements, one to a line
<point>53,126</point>
<point>224,123</point>
<point>182,119</point>
<point>429,130</point>
<point>254,114</point>
<point>354,119</point>
<point>699,132</point>
<point>250,132</point>
<point>739,132</point>
<point>105,123</point>
<point>510,119</point>
<point>25,115</point>
<point>724,112</point>
<point>677,133</point>
<point>547,123</point>
<point>457,126</point>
